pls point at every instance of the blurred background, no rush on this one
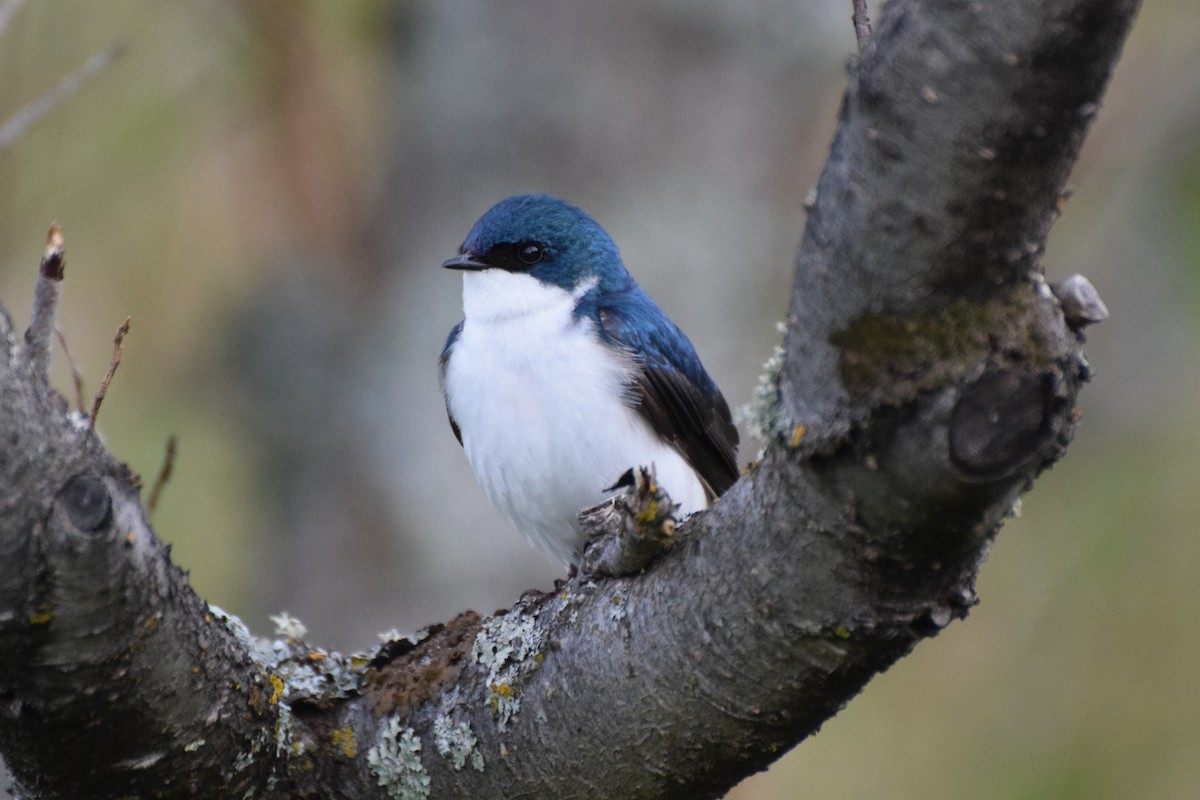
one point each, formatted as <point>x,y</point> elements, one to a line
<point>268,189</point>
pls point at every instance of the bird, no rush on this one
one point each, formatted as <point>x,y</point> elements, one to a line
<point>564,375</point>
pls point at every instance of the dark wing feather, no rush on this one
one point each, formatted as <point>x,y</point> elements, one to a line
<point>443,360</point>
<point>671,390</point>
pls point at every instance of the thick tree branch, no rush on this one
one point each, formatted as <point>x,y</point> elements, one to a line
<point>928,375</point>
<point>955,140</point>
<point>107,659</point>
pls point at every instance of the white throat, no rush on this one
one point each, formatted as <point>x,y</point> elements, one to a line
<point>496,295</point>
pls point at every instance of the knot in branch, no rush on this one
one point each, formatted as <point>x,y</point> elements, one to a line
<point>87,502</point>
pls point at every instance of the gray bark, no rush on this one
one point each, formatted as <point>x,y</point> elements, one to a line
<point>928,375</point>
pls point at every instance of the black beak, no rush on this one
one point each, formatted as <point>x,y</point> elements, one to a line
<point>465,261</point>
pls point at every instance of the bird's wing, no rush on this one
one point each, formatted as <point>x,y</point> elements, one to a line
<point>671,390</point>
<point>443,360</point>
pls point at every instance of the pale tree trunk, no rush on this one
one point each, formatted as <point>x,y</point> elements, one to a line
<point>927,376</point>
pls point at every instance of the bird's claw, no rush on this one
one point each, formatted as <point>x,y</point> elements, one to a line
<point>631,529</point>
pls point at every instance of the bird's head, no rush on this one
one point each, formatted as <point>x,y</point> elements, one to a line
<point>545,238</point>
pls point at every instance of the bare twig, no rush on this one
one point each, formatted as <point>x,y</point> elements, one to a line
<point>862,23</point>
<point>118,350</point>
<point>76,372</point>
<point>39,338</point>
<point>16,125</point>
<point>7,9</point>
<point>164,474</point>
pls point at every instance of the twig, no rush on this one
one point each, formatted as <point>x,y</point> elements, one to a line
<point>118,350</point>
<point>164,474</point>
<point>76,372</point>
<point>862,23</point>
<point>16,125</point>
<point>39,337</point>
<point>7,9</point>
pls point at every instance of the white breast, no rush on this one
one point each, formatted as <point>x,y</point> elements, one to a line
<point>536,395</point>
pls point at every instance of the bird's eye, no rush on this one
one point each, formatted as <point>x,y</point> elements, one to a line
<point>530,252</point>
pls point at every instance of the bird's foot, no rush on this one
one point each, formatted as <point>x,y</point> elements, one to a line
<point>630,530</point>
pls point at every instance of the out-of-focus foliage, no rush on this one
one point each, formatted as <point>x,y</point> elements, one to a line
<point>268,189</point>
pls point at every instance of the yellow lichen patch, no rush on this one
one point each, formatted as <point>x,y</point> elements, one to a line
<point>151,623</point>
<point>276,687</point>
<point>500,691</point>
<point>842,632</point>
<point>41,617</point>
<point>648,514</point>
<point>343,739</point>
<point>797,434</point>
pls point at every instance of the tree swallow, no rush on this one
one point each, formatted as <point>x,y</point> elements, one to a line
<point>564,374</point>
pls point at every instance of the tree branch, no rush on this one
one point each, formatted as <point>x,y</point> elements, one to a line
<point>7,9</point>
<point>862,23</point>
<point>928,375</point>
<point>15,126</point>
<point>39,339</point>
